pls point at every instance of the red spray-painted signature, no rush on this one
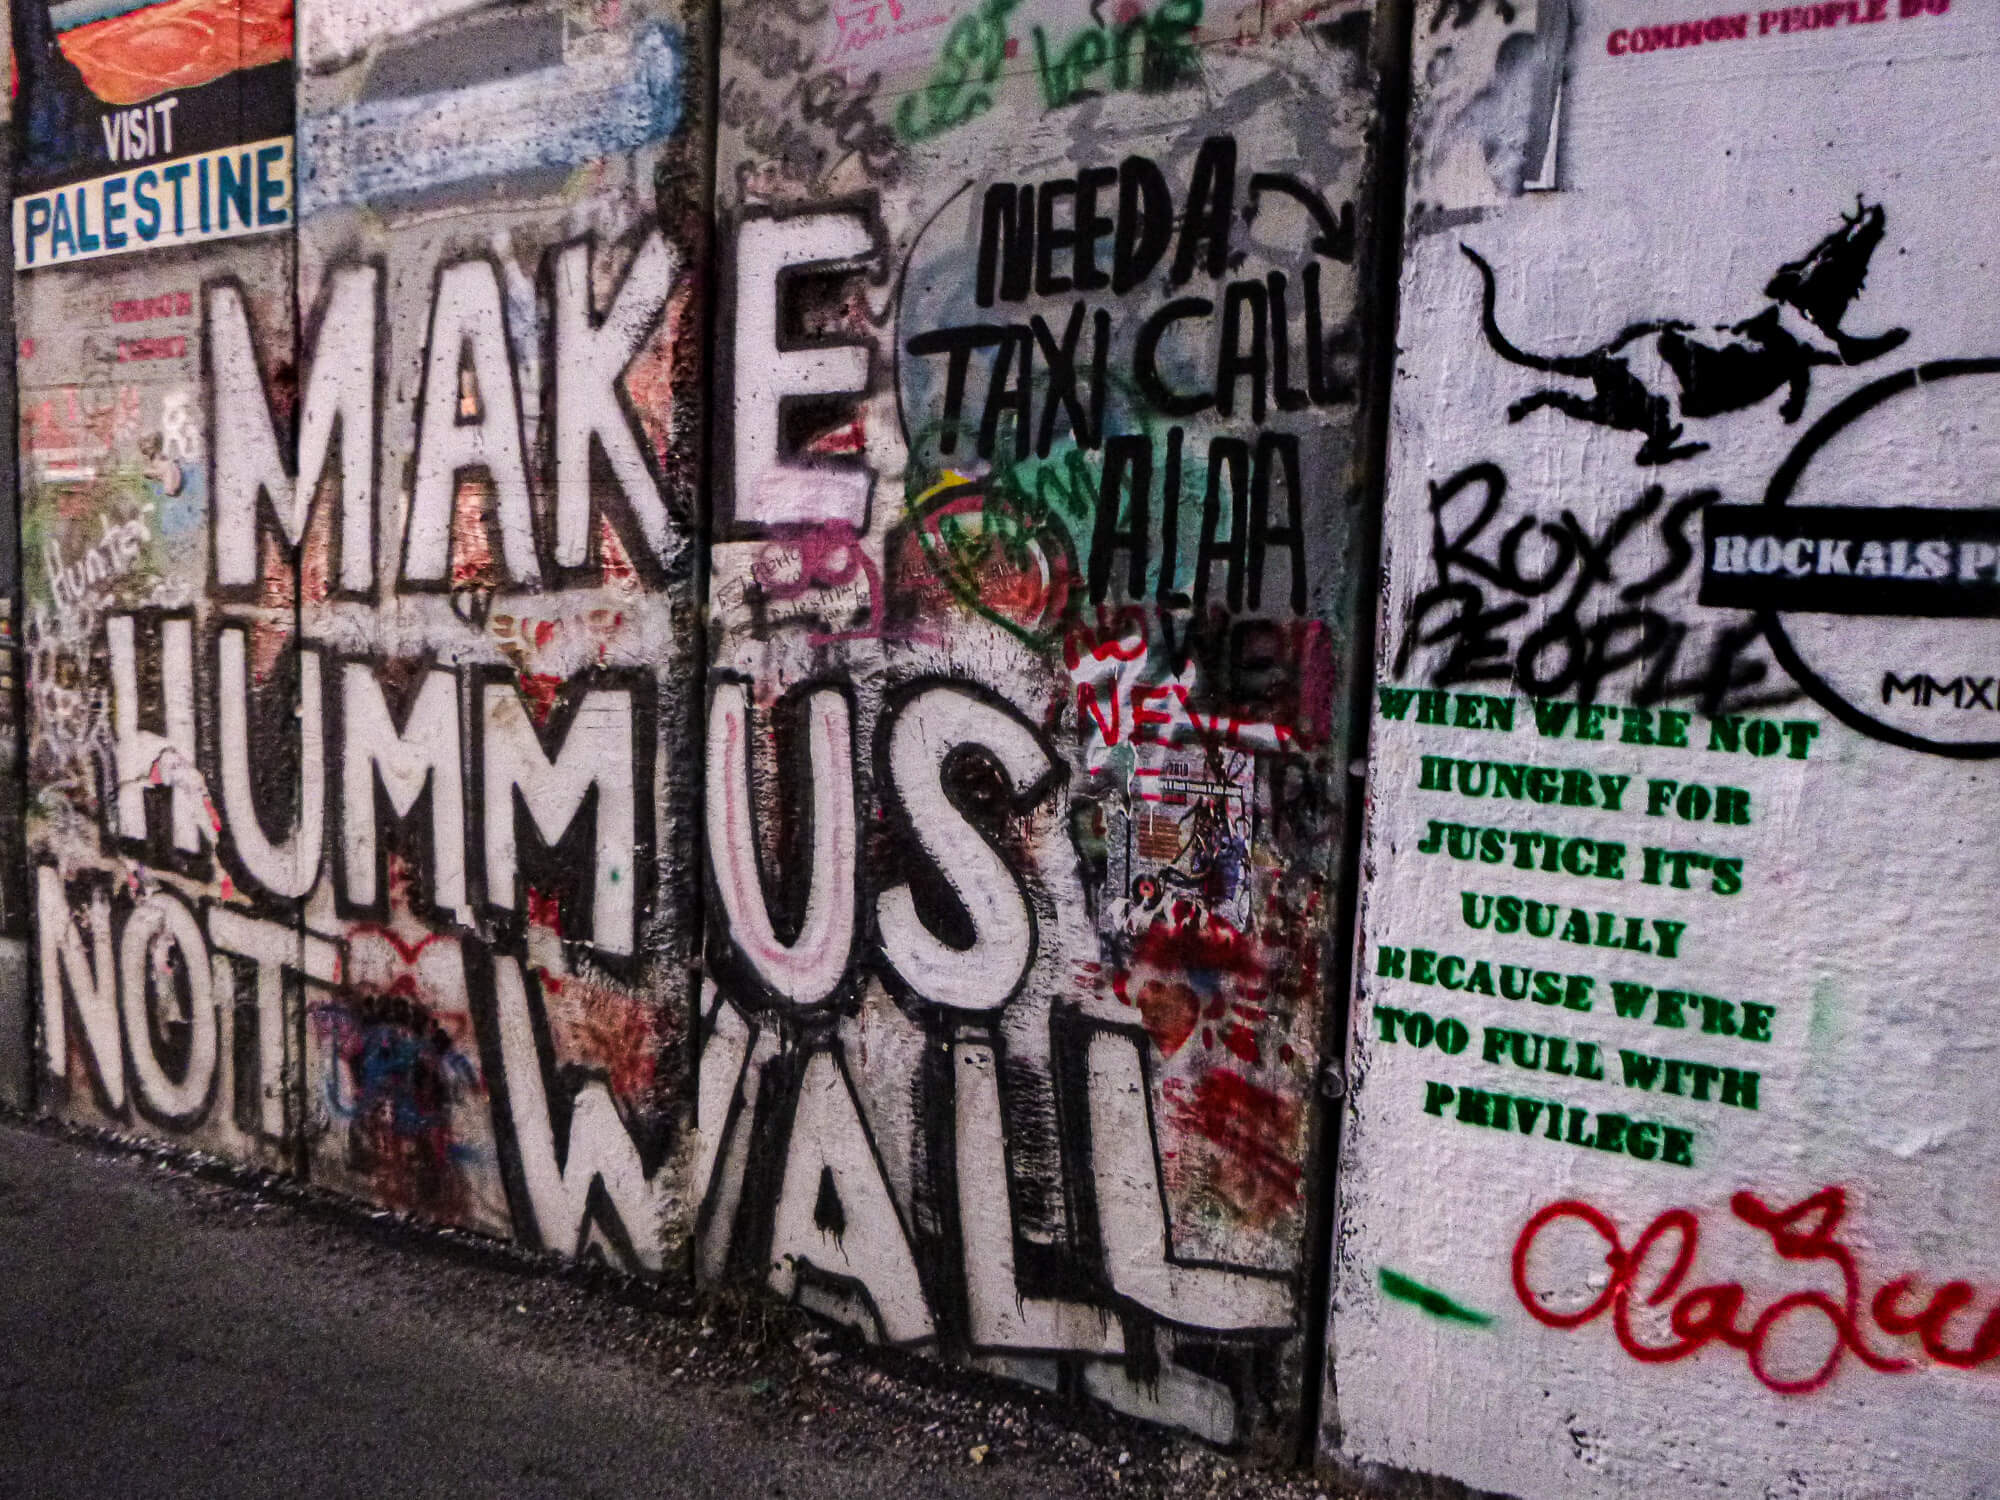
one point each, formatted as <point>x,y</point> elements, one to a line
<point>1714,1313</point>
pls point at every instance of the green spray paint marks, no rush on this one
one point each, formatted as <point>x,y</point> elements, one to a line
<point>1148,53</point>
<point>961,85</point>
<point>1437,1304</point>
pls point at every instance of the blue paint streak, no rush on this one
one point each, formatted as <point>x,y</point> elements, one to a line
<point>74,13</point>
<point>553,117</point>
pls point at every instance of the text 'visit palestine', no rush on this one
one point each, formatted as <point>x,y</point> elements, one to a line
<point>216,195</point>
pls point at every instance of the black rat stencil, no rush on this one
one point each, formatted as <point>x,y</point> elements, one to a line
<point>1777,346</point>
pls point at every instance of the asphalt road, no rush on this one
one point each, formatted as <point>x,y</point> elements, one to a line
<point>162,1334</point>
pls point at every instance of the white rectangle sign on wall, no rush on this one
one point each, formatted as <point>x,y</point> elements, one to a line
<point>215,195</point>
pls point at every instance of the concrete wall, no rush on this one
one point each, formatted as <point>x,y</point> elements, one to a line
<point>738,642</point>
<point>1665,1170</point>
<point>376,702</point>
<point>156,1014</point>
<point>362,607</point>
<point>502,214</point>
<point>1030,631</point>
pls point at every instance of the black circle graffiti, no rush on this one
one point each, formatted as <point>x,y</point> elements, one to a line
<point>1779,492</point>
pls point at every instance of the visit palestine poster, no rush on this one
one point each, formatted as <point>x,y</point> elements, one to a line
<point>149,124</point>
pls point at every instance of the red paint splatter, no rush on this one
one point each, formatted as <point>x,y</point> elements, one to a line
<point>538,694</point>
<point>1170,1010</point>
<point>1206,946</point>
<point>613,560</point>
<point>605,1026</point>
<point>1318,680</point>
<point>473,565</point>
<point>847,439</point>
<point>544,911</point>
<point>1256,1136</point>
<point>1242,1041</point>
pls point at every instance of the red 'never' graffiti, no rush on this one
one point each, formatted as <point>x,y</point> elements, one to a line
<point>1708,1314</point>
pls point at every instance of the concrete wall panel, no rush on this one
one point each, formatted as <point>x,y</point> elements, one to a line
<point>501,229</point>
<point>1664,1172</point>
<point>162,1003</point>
<point>1031,607</point>
<point>363,623</point>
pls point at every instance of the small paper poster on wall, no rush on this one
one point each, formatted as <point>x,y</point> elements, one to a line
<point>150,124</point>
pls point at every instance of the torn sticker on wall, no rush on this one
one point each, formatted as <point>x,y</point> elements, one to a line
<point>563,115</point>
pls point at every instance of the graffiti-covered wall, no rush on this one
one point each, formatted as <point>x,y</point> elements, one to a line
<point>360,594</point>
<point>1667,1170</point>
<point>745,644</point>
<point>1031,603</point>
<point>151,183</point>
<point>501,214</point>
<point>933,921</point>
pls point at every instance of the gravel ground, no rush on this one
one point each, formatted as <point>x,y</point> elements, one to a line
<point>172,1325</point>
